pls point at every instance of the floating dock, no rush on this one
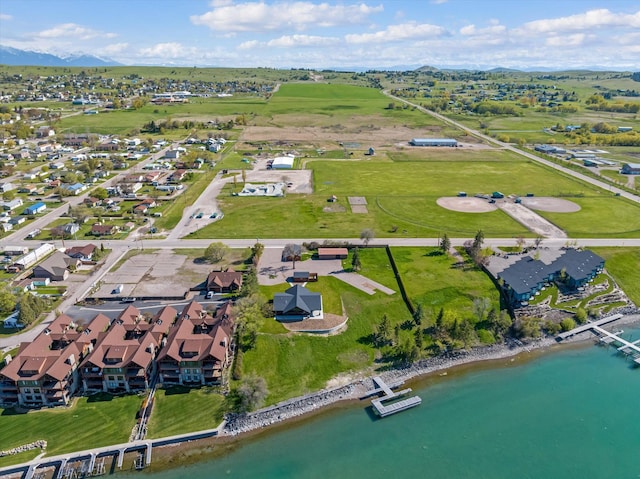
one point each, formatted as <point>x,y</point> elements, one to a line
<point>631,349</point>
<point>391,402</point>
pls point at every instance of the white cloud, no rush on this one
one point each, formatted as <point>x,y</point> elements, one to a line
<point>573,40</point>
<point>114,49</point>
<point>584,21</point>
<point>73,30</point>
<point>261,17</point>
<point>249,45</point>
<point>439,2</point>
<point>168,50</point>
<point>5,17</point>
<point>302,41</point>
<point>471,30</point>
<point>394,33</point>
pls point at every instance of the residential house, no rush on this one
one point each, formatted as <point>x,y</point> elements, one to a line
<point>83,253</point>
<point>56,267</point>
<point>6,186</point>
<point>34,209</point>
<point>172,154</point>
<point>228,281</point>
<point>28,189</point>
<point>92,202</point>
<point>12,205</point>
<point>71,229</point>
<point>44,372</point>
<point>44,132</point>
<point>177,176</point>
<point>123,357</point>
<point>198,347</point>
<point>104,230</point>
<point>76,188</point>
<point>297,303</point>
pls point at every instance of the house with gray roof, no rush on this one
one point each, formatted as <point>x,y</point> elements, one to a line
<point>296,304</point>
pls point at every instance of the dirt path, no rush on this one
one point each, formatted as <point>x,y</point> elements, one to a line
<point>531,220</point>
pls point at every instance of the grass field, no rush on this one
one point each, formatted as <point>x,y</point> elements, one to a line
<point>434,281</point>
<point>179,410</point>
<point>92,422</point>
<point>624,265</point>
<point>403,194</point>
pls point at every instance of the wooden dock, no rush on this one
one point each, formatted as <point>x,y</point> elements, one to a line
<point>628,348</point>
<point>382,406</point>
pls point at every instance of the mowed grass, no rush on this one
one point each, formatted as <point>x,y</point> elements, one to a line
<point>435,281</point>
<point>297,364</point>
<point>599,217</point>
<point>179,410</point>
<point>403,194</point>
<point>92,422</point>
<point>624,265</point>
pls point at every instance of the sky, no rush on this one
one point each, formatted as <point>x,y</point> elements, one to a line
<point>555,34</point>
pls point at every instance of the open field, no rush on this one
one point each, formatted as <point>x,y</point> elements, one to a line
<point>405,193</point>
<point>624,265</point>
<point>93,421</point>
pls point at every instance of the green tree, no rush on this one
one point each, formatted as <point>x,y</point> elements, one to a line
<point>251,392</point>
<point>445,244</point>
<point>100,193</point>
<point>366,236</point>
<point>382,334</point>
<point>418,315</point>
<point>355,260</point>
<point>580,316</point>
<point>9,195</point>
<point>215,252</point>
<point>478,240</point>
<point>567,324</point>
<point>8,300</point>
<point>480,307</point>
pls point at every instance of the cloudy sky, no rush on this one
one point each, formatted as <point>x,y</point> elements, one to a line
<point>333,34</point>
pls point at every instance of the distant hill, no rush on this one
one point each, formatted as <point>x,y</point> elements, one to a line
<point>14,56</point>
<point>504,70</point>
<point>427,68</point>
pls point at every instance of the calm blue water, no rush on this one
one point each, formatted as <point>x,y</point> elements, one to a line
<point>568,414</point>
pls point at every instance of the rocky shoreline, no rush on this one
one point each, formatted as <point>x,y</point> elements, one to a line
<point>241,423</point>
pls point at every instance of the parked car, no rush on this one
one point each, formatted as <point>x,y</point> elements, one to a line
<point>209,295</point>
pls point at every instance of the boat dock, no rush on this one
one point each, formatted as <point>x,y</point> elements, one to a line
<point>628,348</point>
<point>397,404</point>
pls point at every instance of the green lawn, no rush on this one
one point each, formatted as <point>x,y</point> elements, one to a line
<point>403,194</point>
<point>624,265</point>
<point>434,281</point>
<point>179,410</point>
<point>92,422</point>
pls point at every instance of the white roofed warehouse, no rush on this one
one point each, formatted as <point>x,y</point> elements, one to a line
<point>433,142</point>
<point>283,163</point>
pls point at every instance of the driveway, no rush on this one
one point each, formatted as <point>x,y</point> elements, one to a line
<point>272,270</point>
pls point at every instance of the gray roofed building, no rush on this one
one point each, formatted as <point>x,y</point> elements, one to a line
<point>297,303</point>
<point>527,276</point>
<point>55,267</point>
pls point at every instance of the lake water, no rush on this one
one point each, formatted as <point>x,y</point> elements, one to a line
<point>574,413</point>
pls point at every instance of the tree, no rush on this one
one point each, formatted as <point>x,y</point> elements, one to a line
<point>445,244</point>
<point>8,300</point>
<point>244,176</point>
<point>382,334</point>
<point>418,315</point>
<point>581,316</point>
<point>215,252</point>
<point>100,193</point>
<point>478,240</point>
<point>251,393</point>
<point>367,235</point>
<point>520,242</point>
<point>355,260</point>
<point>9,195</point>
<point>256,252</point>
<point>538,241</point>
<point>480,307</point>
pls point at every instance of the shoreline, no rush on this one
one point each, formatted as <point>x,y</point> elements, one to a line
<point>238,429</point>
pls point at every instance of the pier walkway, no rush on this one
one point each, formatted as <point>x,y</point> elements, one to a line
<point>628,348</point>
<point>384,410</point>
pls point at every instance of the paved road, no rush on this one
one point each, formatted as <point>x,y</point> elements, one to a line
<point>531,156</point>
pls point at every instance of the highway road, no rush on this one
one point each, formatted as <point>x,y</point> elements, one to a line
<point>531,156</point>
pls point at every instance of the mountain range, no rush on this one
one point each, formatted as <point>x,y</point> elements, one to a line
<point>14,56</point>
